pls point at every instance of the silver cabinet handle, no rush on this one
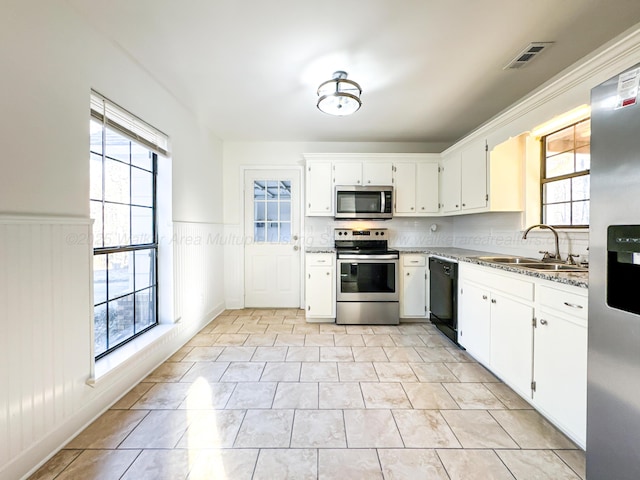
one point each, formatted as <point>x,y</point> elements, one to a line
<point>484,297</point>
<point>493,300</point>
<point>408,274</point>
<point>573,305</point>
<point>543,321</point>
<point>295,237</point>
<point>328,273</point>
<point>296,247</point>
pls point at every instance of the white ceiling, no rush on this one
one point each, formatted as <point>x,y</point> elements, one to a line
<point>430,70</point>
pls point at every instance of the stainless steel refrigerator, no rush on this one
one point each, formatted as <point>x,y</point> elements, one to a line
<point>613,392</point>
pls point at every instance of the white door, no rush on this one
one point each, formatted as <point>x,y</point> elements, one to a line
<point>272,229</point>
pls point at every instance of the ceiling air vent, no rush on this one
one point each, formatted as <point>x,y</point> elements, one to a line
<point>529,53</point>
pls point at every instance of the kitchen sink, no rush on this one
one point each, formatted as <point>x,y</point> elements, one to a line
<point>508,260</point>
<point>555,267</point>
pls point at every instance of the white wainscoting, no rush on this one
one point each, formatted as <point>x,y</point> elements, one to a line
<point>45,336</point>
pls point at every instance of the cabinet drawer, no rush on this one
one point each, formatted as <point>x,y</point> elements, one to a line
<point>563,301</point>
<point>414,260</point>
<point>319,259</point>
<point>505,282</point>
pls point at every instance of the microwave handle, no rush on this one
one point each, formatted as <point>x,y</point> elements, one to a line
<point>384,199</point>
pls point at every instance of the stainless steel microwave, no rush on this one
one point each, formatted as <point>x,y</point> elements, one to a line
<point>363,203</point>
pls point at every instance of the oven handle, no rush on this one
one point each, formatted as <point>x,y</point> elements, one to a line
<point>348,256</point>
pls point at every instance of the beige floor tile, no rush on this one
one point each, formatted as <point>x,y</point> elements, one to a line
<point>474,465</point>
<point>211,429</point>
<point>153,464</point>
<point>460,355</point>
<point>252,395</point>
<point>359,329</point>
<point>280,328</point>
<point>384,395</point>
<point>412,327</point>
<point>576,459</point>
<point>471,372</point>
<point>203,395</point>
<point>169,372</point>
<point>281,372</point>
<point>531,430</point>
<point>307,328</point>
<point>260,340</point>
<point>226,328</point>
<point>236,354</point>
<point>352,464</point>
<point>289,340</point>
<point>231,339</point>
<point>402,354</point>
<point>180,354</point>
<point>223,464</point>
<point>132,396</point>
<point>319,340</point>
<point>159,429</point>
<point>99,465</point>
<point>319,372</point>
<point>271,319</point>
<point>203,354</point>
<point>299,464</point>
<point>243,372</point>
<point>477,429</point>
<point>336,354</point>
<point>318,429</point>
<point>303,354</point>
<point>371,429</point>
<point>378,340</point>
<point>163,396</point>
<point>246,320</point>
<point>411,464</point>
<point>269,354</point>
<point>508,397</point>
<point>368,354</point>
<point>256,328</point>
<point>207,371</point>
<point>473,396</point>
<point>348,340</point>
<point>536,465</point>
<point>433,372</point>
<point>340,395</point>
<point>385,329</point>
<point>435,354</point>
<point>424,429</point>
<point>407,340</point>
<point>203,339</point>
<point>265,429</point>
<point>296,395</point>
<point>357,372</point>
<point>55,465</point>
<point>332,328</point>
<point>438,340</point>
<point>429,396</point>
<point>395,372</point>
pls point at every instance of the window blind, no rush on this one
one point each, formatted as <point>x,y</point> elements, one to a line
<point>127,124</point>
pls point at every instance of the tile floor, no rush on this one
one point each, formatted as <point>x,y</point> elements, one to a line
<point>261,394</point>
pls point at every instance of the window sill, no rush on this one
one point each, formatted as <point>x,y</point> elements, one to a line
<point>129,353</point>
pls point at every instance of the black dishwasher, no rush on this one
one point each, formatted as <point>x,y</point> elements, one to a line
<point>443,290</point>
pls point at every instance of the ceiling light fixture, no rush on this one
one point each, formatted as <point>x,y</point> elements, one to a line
<point>339,96</point>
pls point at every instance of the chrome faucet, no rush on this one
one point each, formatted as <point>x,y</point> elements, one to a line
<point>547,255</point>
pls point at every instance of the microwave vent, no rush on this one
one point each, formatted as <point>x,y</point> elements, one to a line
<point>530,52</point>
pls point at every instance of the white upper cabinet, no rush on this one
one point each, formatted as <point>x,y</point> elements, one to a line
<point>416,188</point>
<point>377,174</point>
<point>347,173</point>
<point>473,180</point>
<point>319,189</point>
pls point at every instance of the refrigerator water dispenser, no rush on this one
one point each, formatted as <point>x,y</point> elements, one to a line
<point>623,267</point>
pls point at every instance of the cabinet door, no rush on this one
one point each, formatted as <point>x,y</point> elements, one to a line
<point>347,173</point>
<point>450,185</point>
<point>380,174</point>
<point>319,189</point>
<point>427,188</point>
<point>512,342</point>
<point>404,181</point>
<point>474,327</point>
<point>414,292</point>
<point>560,372</point>
<point>319,292</point>
<point>474,177</point>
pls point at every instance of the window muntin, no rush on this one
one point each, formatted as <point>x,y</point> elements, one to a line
<point>565,176</point>
<point>122,205</point>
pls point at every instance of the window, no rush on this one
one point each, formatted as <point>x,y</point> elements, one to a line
<point>272,211</point>
<point>123,206</point>
<point>565,176</point>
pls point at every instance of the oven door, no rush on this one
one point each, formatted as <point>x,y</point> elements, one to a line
<point>367,280</point>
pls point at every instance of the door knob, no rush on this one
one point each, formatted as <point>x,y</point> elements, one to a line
<point>296,247</point>
<point>543,321</point>
<point>295,237</point>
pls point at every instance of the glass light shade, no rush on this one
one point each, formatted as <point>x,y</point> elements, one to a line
<point>339,96</point>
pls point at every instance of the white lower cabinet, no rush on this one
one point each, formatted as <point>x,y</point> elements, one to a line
<point>474,320</point>
<point>560,359</point>
<point>320,286</point>
<point>414,286</point>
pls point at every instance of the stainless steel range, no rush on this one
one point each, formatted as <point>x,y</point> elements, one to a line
<point>367,276</point>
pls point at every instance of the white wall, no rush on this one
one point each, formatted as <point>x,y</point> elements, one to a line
<point>51,58</point>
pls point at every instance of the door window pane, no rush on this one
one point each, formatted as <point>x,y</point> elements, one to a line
<point>272,207</point>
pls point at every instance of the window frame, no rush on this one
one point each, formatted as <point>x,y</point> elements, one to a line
<point>546,180</point>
